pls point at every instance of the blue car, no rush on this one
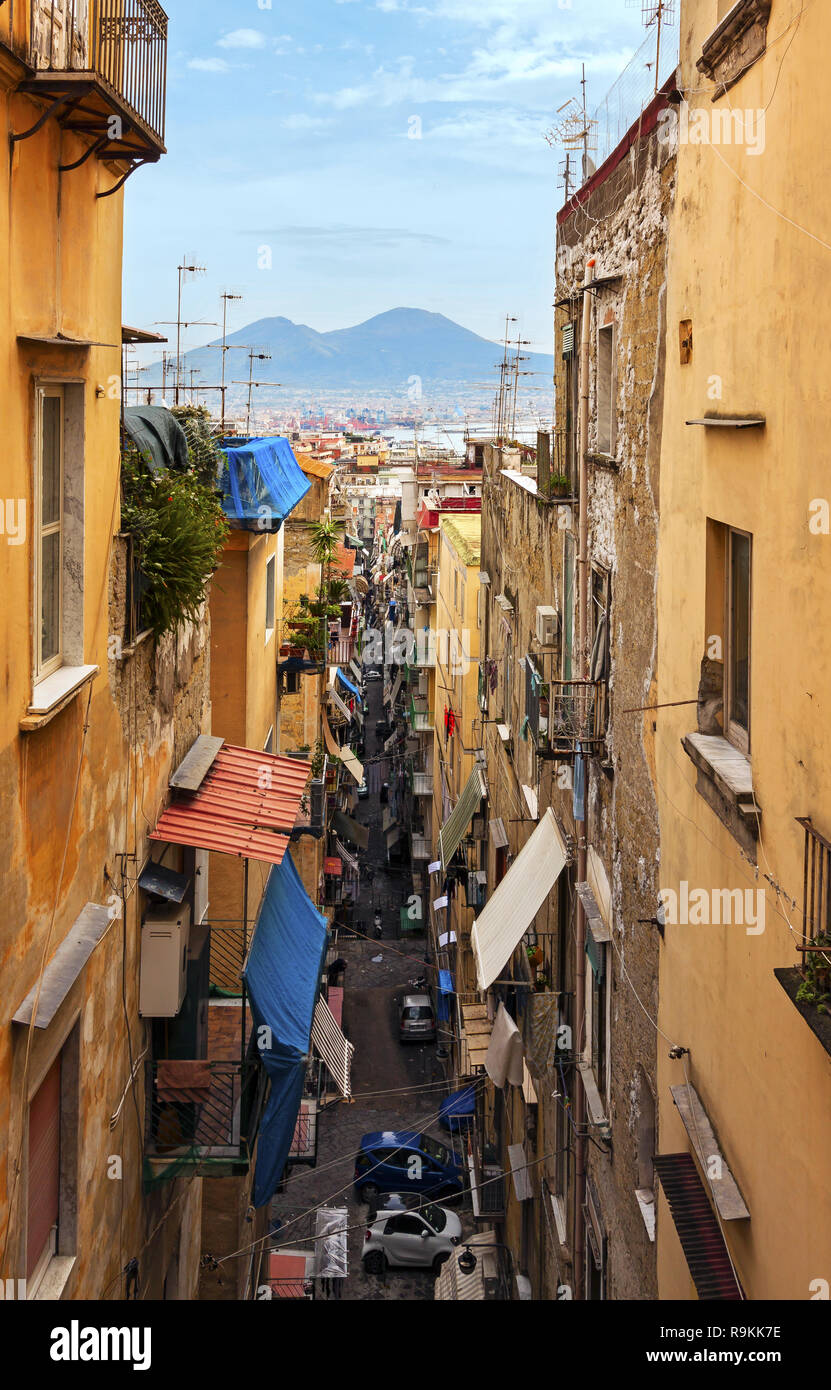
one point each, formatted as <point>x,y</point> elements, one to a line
<point>405,1161</point>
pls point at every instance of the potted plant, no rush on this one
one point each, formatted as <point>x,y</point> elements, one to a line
<point>559,485</point>
<point>535,956</point>
<point>816,986</point>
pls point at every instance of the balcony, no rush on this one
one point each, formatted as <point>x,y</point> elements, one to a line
<point>809,984</point>
<point>203,1124</point>
<point>423,722</point>
<point>422,784</point>
<point>563,714</point>
<point>421,848</point>
<point>102,66</point>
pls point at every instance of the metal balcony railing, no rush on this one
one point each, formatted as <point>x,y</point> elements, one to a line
<point>575,712</point>
<point>816,884</point>
<point>121,43</point>
<point>422,784</point>
<point>421,847</point>
<point>212,1124</point>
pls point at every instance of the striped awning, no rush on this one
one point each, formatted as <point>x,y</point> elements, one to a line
<point>348,859</point>
<point>343,755</point>
<point>516,901</point>
<point>340,705</point>
<point>455,827</point>
<point>247,805</point>
<point>335,1049</point>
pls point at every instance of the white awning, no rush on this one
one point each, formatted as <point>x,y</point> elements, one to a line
<point>340,705</point>
<point>343,755</point>
<point>391,698</point>
<point>506,1054</point>
<point>517,900</point>
<point>333,1047</point>
<point>455,827</point>
<point>498,833</point>
<point>356,670</point>
<point>347,858</point>
<point>523,1188</point>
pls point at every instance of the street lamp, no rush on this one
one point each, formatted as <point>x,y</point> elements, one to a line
<point>467,1260</point>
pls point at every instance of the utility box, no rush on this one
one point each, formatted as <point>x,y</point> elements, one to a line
<point>165,937</point>
<point>547,625</point>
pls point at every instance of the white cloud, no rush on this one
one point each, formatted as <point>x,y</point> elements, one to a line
<point>301,121</point>
<point>242,38</point>
<point>208,64</point>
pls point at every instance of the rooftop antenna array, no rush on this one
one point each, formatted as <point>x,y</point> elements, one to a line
<point>659,13</point>
<point>574,130</point>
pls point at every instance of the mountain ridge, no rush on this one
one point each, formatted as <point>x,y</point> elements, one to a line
<point>394,349</point>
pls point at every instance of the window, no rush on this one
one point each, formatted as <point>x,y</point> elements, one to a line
<point>726,667</point>
<point>270,595</point>
<point>738,639</point>
<point>49,513</point>
<point>596,1007</point>
<point>405,1226</point>
<point>291,682</point>
<point>606,413</point>
<point>51,1171</point>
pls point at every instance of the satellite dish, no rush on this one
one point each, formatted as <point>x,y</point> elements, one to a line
<point>589,166</point>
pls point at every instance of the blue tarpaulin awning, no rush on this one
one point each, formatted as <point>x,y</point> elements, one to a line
<point>458,1109</point>
<point>350,687</point>
<point>283,978</point>
<point>446,989</point>
<point>261,483</point>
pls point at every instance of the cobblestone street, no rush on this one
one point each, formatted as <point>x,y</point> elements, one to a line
<point>394,1086</point>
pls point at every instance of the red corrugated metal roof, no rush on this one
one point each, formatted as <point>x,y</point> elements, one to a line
<point>246,798</point>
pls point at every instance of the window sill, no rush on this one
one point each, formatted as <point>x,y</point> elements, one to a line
<point>52,1285</point>
<point>820,1024</point>
<point>726,784</point>
<point>53,694</point>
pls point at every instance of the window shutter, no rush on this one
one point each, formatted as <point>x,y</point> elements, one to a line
<point>44,1165</point>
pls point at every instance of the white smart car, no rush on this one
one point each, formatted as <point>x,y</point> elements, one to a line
<point>397,1238</point>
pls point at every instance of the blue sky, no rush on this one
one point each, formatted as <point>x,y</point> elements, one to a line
<point>290,127</point>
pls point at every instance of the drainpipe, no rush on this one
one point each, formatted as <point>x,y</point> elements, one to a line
<point>578,1042</point>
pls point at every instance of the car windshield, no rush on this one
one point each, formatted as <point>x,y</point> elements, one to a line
<point>434,1149</point>
<point>418,1011</point>
<point>436,1216</point>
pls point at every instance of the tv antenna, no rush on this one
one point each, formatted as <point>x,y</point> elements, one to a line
<point>659,13</point>
<point>575,129</point>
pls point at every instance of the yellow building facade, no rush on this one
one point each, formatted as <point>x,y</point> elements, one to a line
<point>90,725</point>
<point>744,578</point>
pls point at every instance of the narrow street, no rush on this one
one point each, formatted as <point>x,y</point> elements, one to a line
<point>394,1086</point>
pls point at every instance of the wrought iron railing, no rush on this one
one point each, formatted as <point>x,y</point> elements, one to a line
<point>228,946</point>
<point>215,1119</point>
<point>816,883</point>
<point>124,42</point>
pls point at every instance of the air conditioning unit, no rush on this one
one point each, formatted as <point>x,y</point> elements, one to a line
<point>548,625</point>
<point>165,936</point>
